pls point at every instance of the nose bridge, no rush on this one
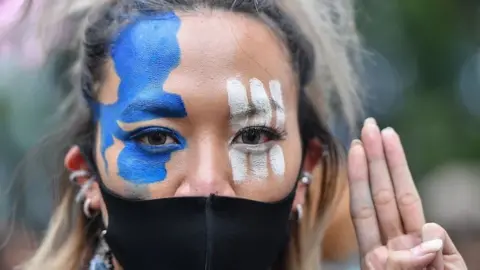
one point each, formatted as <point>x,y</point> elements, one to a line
<point>210,171</point>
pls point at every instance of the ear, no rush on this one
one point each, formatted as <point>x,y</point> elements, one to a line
<point>312,157</point>
<point>74,162</point>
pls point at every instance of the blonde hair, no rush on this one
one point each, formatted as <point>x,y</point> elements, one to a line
<point>327,25</point>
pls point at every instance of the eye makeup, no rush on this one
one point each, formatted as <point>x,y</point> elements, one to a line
<point>144,54</point>
<point>253,161</point>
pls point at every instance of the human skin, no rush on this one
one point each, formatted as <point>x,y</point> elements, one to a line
<point>387,211</point>
<point>222,55</point>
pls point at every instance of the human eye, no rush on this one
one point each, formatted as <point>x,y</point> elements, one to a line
<point>155,137</point>
<point>257,135</point>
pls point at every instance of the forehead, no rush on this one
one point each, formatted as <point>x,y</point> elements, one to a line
<point>201,49</point>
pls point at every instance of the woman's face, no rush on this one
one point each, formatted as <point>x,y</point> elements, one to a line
<point>198,104</point>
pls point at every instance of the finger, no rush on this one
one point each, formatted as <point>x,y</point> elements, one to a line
<point>432,231</point>
<point>376,259</point>
<point>418,257</point>
<point>408,199</point>
<point>361,204</point>
<point>403,242</point>
<point>380,181</point>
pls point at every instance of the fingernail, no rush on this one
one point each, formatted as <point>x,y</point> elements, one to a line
<point>431,246</point>
<point>370,121</point>
<point>388,131</point>
<point>356,142</point>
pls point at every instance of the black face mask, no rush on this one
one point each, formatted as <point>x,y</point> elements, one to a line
<point>196,233</point>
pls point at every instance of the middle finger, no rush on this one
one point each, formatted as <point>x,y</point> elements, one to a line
<point>380,182</point>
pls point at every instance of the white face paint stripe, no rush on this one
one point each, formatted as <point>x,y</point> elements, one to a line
<point>255,161</point>
<point>261,102</point>
<point>277,160</point>
<point>276,90</point>
<point>259,165</point>
<point>238,101</point>
<point>238,161</point>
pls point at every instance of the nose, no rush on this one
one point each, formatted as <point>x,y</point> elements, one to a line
<point>208,172</point>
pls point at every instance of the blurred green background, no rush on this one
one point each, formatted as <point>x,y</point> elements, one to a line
<point>432,48</point>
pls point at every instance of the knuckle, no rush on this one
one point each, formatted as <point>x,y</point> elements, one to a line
<point>364,212</point>
<point>407,199</point>
<point>383,197</point>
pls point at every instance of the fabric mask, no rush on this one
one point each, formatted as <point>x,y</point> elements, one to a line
<point>196,233</point>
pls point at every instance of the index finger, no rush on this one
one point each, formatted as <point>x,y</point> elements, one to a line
<point>361,203</point>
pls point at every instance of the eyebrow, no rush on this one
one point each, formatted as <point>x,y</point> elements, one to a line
<point>252,110</point>
<point>142,109</point>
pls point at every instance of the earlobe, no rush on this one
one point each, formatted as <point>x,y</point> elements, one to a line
<point>313,155</point>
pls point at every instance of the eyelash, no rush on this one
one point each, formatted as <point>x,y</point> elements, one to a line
<point>273,133</point>
<point>144,133</point>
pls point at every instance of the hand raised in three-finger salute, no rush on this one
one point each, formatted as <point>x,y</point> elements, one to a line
<point>387,211</point>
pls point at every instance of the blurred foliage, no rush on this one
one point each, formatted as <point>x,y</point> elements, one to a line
<point>440,34</point>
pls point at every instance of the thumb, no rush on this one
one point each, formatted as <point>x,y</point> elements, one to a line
<point>432,231</point>
<point>418,257</point>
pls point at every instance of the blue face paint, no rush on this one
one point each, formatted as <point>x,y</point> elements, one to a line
<point>144,54</point>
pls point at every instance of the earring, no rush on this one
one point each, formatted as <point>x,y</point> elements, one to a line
<point>80,173</point>
<point>86,208</point>
<point>299,208</point>
<point>83,190</point>
<point>306,178</point>
<point>102,259</point>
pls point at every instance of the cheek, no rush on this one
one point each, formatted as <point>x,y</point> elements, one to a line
<point>108,175</point>
<point>260,166</point>
<point>120,155</point>
<point>268,176</point>
<point>293,159</point>
<point>291,151</point>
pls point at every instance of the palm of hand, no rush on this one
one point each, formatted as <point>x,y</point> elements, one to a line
<point>387,210</point>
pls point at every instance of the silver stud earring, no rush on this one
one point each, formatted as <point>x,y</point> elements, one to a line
<point>306,178</point>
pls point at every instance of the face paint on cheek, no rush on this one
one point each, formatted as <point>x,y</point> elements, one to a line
<point>277,160</point>
<point>144,55</point>
<point>146,164</point>
<point>258,157</point>
<point>238,161</point>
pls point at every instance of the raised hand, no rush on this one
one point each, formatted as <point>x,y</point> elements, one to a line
<point>387,211</point>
